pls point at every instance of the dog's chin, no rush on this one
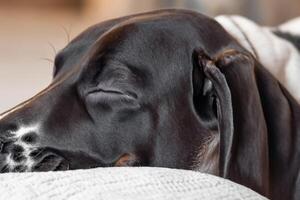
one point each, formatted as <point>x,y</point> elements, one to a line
<point>49,159</point>
<point>54,162</point>
<point>68,160</point>
<point>51,162</point>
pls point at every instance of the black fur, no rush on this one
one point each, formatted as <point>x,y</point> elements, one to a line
<point>294,39</point>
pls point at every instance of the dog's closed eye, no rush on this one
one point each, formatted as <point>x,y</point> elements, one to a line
<point>111,92</point>
<point>112,98</point>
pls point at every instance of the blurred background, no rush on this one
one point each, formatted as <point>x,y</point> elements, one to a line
<point>31,31</point>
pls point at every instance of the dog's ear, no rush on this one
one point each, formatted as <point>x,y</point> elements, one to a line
<point>213,103</point>
<point>243,152</point>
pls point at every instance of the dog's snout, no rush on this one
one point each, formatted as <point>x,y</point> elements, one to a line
<point>17,141</point>
<point>5,146</point>
<point>6,136</point>
<point>17,153</point>
<point>13,157</point>
<point>3,165</point>
<point>8,127</point>
<point>6,132</point>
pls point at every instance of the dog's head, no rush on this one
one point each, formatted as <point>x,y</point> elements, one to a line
<point>152,89</point>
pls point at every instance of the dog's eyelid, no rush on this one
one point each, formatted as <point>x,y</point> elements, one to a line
<point>113,91</point>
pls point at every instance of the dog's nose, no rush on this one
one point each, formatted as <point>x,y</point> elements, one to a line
<point>3,166</point>
<point>16,143</point>
<point>12,157</point>
<point>8,127</point>
<point>6,135</point>
<point>6,131</point>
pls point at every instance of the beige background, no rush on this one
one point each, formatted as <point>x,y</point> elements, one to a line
<point>29,29</point>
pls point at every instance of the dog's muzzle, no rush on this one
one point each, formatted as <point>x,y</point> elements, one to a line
<point>19,151</point>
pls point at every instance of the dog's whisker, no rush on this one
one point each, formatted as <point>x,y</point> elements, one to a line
<point>53,48</point>
<point>67,32</point>
<point>48,59</point>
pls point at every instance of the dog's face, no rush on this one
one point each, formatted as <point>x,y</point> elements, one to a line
<point>125,92</point>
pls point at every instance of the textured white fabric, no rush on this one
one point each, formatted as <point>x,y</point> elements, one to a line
<point>121,184</point>
<point>277,55</point>
<point>292,26</point>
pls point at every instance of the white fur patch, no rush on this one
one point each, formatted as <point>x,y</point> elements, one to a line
<point>24,130</point>
<point>207,159</point>
<point>28,147</point>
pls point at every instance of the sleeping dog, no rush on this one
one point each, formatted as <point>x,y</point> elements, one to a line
<point>169,88</point>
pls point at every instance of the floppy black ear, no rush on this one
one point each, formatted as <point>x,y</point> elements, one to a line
<point>215,85</point>
<point>243,134</point>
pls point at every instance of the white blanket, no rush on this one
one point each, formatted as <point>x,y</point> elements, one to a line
<point>278,55</point>
<point>121,184</point>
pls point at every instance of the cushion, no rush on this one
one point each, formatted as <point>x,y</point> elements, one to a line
<point>143,183</point>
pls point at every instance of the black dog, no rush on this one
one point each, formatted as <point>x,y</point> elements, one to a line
<point>168,88</point>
